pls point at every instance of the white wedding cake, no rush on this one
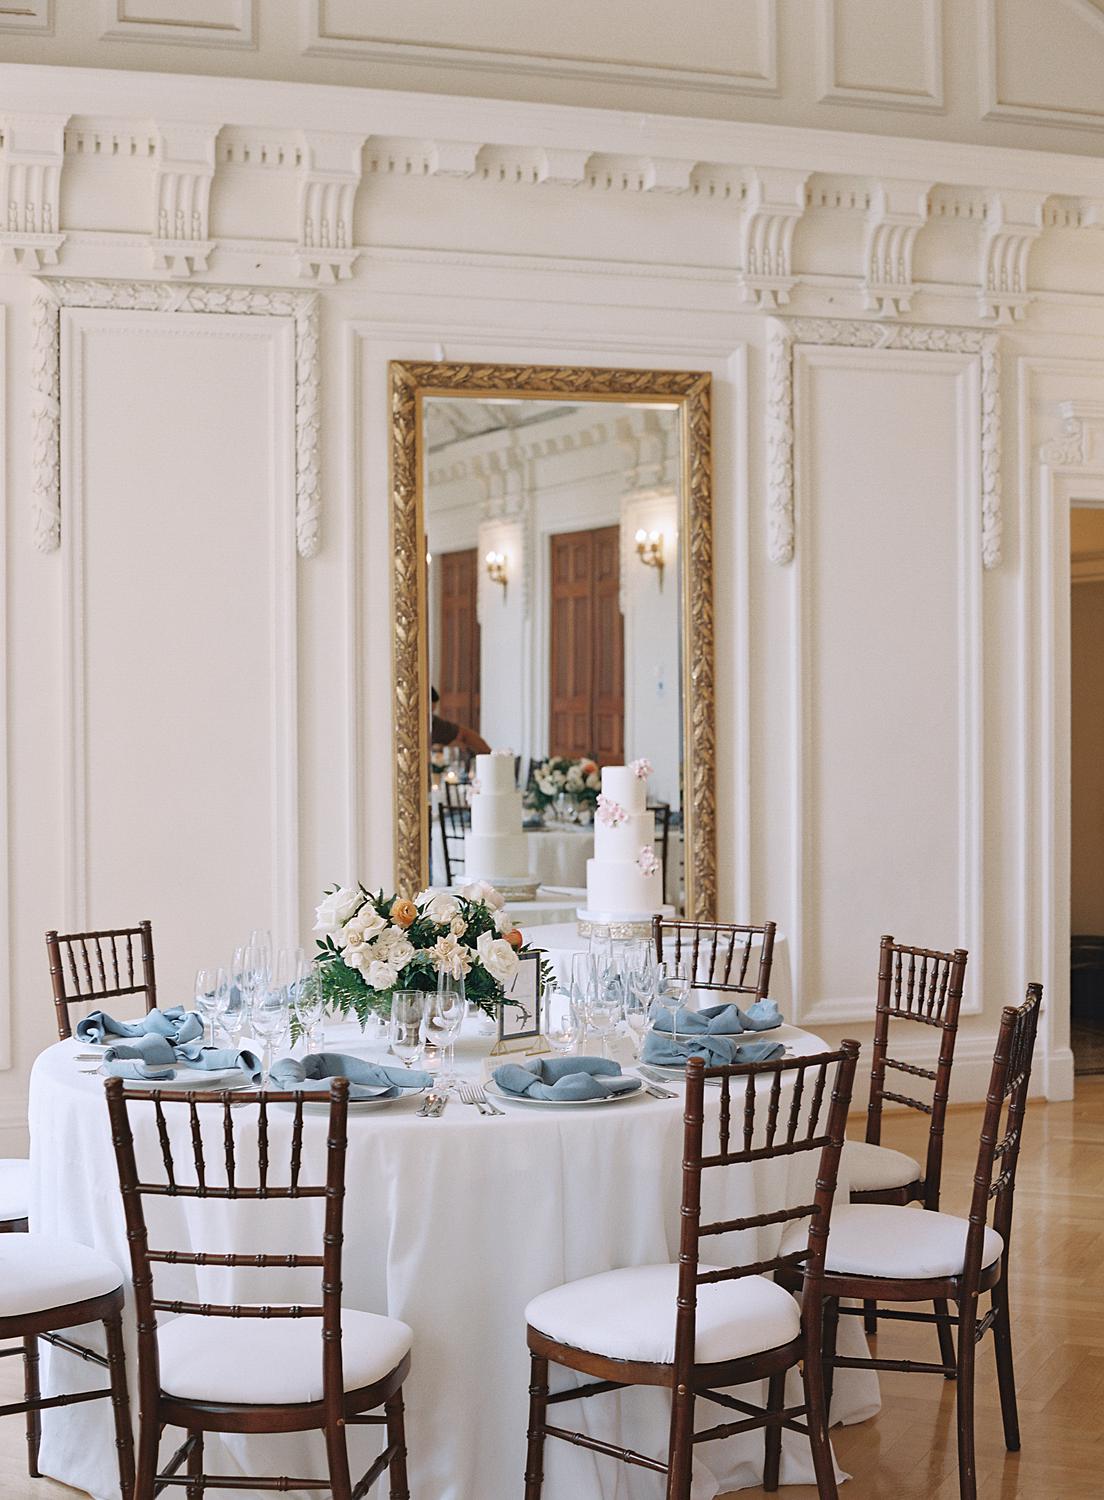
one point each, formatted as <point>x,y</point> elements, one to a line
<point>624,878</point>
<point>496,849</point>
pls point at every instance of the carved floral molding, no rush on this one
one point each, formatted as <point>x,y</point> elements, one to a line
<point>852,334</point>
<point>165,297</point>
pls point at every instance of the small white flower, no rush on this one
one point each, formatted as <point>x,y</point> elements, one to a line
<point>458,927</point>
<point>394,947</point>
<point>646,860</point>
<point>497,957</point>
<point>451,957</point>
<point>594,781</point>
<point>482,890</point>
<point>381,976</point>
<point>611,813</point>
<point>547,785</point>
<point>641,768</point>
<point>442,908</point>
<point>364,926</point>
<point>504,923</point>
<point>337,908</point>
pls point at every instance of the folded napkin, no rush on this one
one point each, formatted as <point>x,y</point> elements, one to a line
<point>718,1020</point>
<point>176,1024</point>
<point>563,1078</point>
<point>367,1080</point>
<point>716,1050</point>
<point>155,1059</point>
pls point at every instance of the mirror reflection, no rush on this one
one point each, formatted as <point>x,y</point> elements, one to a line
<point>554,619</point>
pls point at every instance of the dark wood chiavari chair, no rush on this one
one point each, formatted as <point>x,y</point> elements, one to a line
<point>719,953</point>
<point>888,1253</point>
<point>616,1327</point>
<point>98,966</point>
<point>662,812</point>
<point>295,1382</point>
<point>455,817</point>
<point>924,986</point>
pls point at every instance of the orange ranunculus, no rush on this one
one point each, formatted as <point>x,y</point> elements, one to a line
<point>403,912</point>
<point>514,938</point>
<point>588,768</point>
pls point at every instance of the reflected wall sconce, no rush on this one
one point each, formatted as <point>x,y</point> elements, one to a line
<point>649,549</point>
<point>495,563</point>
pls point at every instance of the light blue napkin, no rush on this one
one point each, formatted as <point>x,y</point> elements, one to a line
<point>367,1080</point>
<point>176,1024</point>
<point>718,1020</point>
<point>662,1050</point>
<point>155,1059</point>
<point>564,1078</point>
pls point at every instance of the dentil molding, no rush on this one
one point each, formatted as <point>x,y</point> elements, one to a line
<point>167,297</point>
<point>785,334</point>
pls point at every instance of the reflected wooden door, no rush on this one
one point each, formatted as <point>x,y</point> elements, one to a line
<point>460,644</point>
<point>587,677</point>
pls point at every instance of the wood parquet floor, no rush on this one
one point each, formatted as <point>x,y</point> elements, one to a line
<point>907,1452</point>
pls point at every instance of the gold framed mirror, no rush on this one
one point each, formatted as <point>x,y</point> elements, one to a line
<point>661,419</point>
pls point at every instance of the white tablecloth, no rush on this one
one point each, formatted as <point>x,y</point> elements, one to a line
<point>452,1225</point>
<point>558,855</point>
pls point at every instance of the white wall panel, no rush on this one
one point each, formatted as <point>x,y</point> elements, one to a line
<point>881,52</point>
<point>1043,60</point>
<point>886,669</point>
<point>179,679</point>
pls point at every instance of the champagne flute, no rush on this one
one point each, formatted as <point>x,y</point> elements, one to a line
<point>635,1015</point>
<point>584,981</point>
<point>564,1022</point>
<point>269,1016</point>
<point>407,1010</point>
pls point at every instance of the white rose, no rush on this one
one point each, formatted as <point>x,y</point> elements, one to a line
<point>381,976</point>
<point>547,785</point>
<point>364,926</point>
<point>395,948</point>
<point>442,908</point>
<point>504,922</point>
<point>451,957</point>
<point>497,957</point>
<point>458,927</point>
<point>337,908</point>
<point>481,890</point>
<point>357,958</point>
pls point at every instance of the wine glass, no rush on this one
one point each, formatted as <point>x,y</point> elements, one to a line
<point>564,1022</point>
<point>260,940</point>
<point>269,1020</point>
<point>441,1021</point>
<point>407,1010</point>
<point>636,1014</point>
<point>601,950</point>
<point>309,1002</point>
<point>208,983</point>
<point>673,983</point>
<point>604,1008</point>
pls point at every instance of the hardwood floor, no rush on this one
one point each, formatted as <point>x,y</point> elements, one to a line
<point>908,1451</point>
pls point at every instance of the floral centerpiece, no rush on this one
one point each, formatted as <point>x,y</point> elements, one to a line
<point>371,945</point>
<point>578,780</point>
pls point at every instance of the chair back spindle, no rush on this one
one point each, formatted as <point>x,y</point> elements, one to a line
<point>922,985</point>
<point>719,953</point>
<point>87,967</point>
<point>766,1131</point>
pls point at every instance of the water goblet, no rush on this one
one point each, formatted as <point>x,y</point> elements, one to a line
<point>207,985</point>
<point>604,1009</point>
<point>407,1010</point>
<point>269,1021</point>
<point>564,1021</point>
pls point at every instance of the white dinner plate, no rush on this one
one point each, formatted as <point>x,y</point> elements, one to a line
<point>497,1094</point>
<point>319,1104</point>
<point>194,1078</point>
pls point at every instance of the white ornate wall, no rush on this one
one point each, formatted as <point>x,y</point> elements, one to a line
<point>196,710</point>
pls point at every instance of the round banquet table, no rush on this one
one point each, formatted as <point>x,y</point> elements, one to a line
<point>452,1225</point>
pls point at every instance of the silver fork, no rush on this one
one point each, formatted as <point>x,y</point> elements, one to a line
<point>467,1096</point>
<point>480,1094</point>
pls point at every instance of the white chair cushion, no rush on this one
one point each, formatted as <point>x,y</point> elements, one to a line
<point>874,1168</point>
<point>630,1314</point>
<point>272,1361</point>
<point>37,1273</point>
<point>15,1187</point>
<point>880,1239</point>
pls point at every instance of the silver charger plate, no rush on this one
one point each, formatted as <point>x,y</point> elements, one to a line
<point>498,1094</point>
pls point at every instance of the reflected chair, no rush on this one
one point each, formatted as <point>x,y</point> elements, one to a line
<point>695,1328</point>
<point>662,812</point>
<point>51,1287</point>
<point>719,953</point>
<point>244,1367</point>
<point>924,986</point>
<point>887,1253</point>
<point>96,966</point>
<point>455,820</point>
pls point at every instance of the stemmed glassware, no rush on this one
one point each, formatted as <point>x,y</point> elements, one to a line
<point>672,989</point>
<point>564,1022</point>
<point>212,990</point>
<point>407,1009</point>
<point>605,1008</point>
<point>309,1002</point>
<point>442,1018</point>
<point>271,1002</point>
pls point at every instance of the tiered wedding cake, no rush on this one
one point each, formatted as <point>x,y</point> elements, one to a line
<point>624,878</point>
<point>496,849</point>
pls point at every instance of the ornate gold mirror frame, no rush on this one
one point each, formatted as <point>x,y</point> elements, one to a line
<point>689,392</point>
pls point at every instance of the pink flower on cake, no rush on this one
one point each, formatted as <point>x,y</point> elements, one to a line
<point>610,813</point>
<point>641,768</point>
<point>646,860</point>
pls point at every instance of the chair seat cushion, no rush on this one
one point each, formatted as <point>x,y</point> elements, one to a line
<point>37,1273</point>
<point>912,1244</point>
<point>272,1361</point>
<point>630,1314</point>
<point>875,1168</point>
<point>15,1187</point>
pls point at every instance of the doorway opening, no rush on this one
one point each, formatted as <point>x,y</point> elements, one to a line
<point>1087,788</point>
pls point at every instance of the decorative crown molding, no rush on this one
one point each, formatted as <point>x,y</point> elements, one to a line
<point>1081,440</point>
<point>32,153</point>
<point>329,175</point>
<point>853,334</point>
<point>898,211</point>
<point>1013,222</point>
<point>773,202</point>
<point>169,297</point>
<point>184,167</point>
